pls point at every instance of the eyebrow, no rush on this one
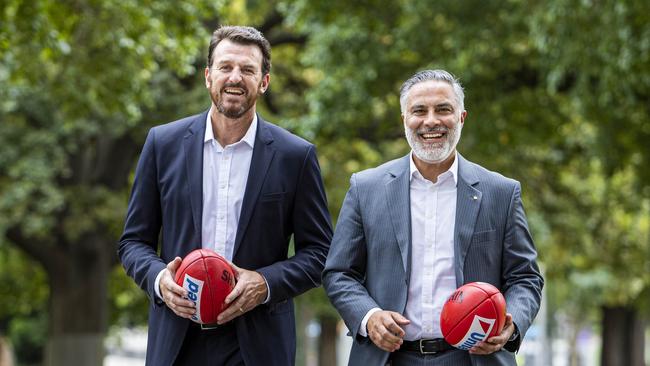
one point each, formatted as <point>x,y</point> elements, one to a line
<point>424,106</point>
<point>418,106</point>
<point>228,61</point>
<point>444,104</point>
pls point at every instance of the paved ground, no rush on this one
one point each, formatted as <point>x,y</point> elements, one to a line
<point>126,347</point>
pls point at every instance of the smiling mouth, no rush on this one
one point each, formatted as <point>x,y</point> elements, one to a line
<point>234,91</point>
<point>431,136</point>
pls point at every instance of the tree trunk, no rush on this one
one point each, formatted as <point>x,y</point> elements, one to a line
<point>623,337</point>
<point>78,305</point>
<point>327,341</point>
<point>573,344</point>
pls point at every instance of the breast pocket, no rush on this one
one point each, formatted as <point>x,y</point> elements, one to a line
<point>484,237</point>
<point>272,197</point>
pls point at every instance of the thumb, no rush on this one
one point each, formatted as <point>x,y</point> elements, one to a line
<point>173,265</point>
<point>508,319</point>
<point>235,269</point>
<point>399,318</point>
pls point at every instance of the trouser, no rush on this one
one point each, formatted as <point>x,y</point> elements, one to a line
<point>210,347</point>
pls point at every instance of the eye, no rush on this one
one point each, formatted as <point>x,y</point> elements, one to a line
<point>248,71</point>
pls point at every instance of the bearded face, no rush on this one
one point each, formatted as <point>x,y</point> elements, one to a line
<point>235,78</point>
<point>433,121</point>
<point>433,144</point>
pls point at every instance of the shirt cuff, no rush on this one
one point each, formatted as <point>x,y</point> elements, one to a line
<point>156,284</point>
<point>363,331</point>
<point>268,290</point>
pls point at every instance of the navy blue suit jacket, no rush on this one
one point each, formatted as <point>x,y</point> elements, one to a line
<point>284,196</point>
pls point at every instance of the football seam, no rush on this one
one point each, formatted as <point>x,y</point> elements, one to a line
<point>470,311</point>
<point>208,280</point>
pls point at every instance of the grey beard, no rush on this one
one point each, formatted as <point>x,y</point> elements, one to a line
<point>436,154</point>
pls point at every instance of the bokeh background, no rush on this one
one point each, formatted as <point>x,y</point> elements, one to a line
<point>558,95</point>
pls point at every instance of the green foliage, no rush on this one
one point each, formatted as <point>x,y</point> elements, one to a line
<point>557,94</point>
<point>23,285</point>
<point>23,309</point>
<point>568,120</point>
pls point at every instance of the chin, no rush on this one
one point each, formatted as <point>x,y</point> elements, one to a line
<point>431,158</point>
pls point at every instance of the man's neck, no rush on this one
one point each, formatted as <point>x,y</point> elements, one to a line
<point>228,131</point>
<point>431,171</point>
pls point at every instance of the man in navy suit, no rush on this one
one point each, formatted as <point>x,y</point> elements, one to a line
<point>229,181</point>
<point>414,229</point>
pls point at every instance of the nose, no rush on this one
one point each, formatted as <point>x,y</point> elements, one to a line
<point>235,76</point>
<point>431,120</point>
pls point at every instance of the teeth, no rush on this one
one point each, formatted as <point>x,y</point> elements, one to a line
<point>431,135</point>
<point>234,91</point>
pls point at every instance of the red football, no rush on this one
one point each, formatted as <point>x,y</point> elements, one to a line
<point>208,279</point>
<point>473,313</point>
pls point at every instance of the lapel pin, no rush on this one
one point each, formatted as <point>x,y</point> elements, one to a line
<point>474,198</point>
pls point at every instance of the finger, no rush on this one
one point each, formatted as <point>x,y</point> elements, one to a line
<point>167,283</point>
<point>184,311</point>
<point>484,348</point>
<point>394,329</point>
<point>233,311</point>
<point>383,343</point>
<point>179,301</point>
<point>235,293</point>
<point>505,334</point>
<point>399,318</point>
<point>387,335</point>
<point>399,321</point>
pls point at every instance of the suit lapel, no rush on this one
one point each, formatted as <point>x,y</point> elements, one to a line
<point>260,162</point>
<point>468,202</point>
<point>193,149</point>
<point>398,201</point>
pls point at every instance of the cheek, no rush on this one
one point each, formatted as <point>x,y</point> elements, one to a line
<point>412,123</point>
<point>452,123</point>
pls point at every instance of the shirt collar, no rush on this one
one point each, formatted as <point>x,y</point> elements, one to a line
<point>453,169</point>
<point>249,137</point>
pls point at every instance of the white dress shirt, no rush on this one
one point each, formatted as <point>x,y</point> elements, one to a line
<point>432,279</point>
<point>225,173</point>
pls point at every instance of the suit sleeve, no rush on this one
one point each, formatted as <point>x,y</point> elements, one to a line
<point>312,236</point>
<point>522,281</point>
<point>345,269</point>
<point>139,241</point>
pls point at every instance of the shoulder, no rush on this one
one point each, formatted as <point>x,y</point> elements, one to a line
<point>283,139</point>
<point>179,128</point>
<point>377,174</point>
<point>489,179</point>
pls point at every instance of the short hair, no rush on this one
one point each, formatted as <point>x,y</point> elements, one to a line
<point>242,35</point>
<point>428,75</point>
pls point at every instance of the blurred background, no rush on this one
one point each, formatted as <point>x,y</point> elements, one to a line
<point>558,95</point>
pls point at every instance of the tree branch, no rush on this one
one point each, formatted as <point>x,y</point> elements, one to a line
<point>279,38</point>
<point>273,19</point>
<point>32,248</point>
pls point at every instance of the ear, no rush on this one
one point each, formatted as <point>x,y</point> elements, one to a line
<point>266,80</point>
<point>208,83</point>
<point>463,114</point>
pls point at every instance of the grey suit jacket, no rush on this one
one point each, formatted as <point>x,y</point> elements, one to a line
<point>369,262</point>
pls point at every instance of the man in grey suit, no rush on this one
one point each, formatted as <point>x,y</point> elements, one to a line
<point>414,229</point>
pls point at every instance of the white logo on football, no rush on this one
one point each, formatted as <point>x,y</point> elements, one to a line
<point>194,289</point>
<point>477,332</point>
